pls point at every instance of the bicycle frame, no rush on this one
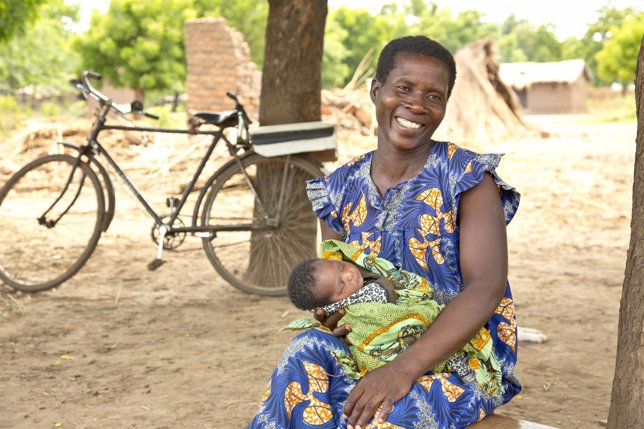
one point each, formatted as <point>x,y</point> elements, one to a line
<point>94,147</point>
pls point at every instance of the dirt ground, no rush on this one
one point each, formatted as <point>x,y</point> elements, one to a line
<point>121,347</point>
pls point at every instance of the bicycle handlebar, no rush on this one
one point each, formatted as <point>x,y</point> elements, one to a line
<point>99,96</point>
<point>83,84</point>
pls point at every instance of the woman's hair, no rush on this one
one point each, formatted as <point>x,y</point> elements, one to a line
<point>415,45</point>
<point>301,283</point>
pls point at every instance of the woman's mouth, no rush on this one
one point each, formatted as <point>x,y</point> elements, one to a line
<point>407,124</point>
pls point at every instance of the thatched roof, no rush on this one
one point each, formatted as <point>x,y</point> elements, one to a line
<point>521,75</point>
<point>482,108</point>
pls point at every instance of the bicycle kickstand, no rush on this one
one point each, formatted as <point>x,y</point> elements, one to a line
<point>157,262</point>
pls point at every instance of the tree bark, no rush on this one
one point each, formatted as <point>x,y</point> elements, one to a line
<point>627,399</point>
<point>291,78</point>
<point>291,92</point>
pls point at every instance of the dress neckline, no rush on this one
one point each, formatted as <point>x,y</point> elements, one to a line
<point>399,185</point>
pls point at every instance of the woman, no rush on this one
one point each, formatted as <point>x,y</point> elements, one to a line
<point>431,208</point>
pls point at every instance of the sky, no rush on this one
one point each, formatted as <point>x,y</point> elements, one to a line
<point>569,17</point>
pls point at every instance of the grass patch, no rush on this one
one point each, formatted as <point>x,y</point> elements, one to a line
<point>612,110</point>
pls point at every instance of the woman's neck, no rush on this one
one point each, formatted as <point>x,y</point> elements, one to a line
<point>391,167</point>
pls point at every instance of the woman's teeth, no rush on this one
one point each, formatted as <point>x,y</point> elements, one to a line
<point>407,124</point>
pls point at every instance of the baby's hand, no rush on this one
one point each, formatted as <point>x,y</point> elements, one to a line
<point>331,323</point>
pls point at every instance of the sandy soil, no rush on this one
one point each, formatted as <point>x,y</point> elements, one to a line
<point>121,347</point>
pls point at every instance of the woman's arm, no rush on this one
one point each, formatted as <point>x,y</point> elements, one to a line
<point>484,266</point>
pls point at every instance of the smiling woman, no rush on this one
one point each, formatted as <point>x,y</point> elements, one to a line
<point>430,208</point>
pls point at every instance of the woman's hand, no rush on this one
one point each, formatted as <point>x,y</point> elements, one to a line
<point>375,395</point>
<point>331,323</point>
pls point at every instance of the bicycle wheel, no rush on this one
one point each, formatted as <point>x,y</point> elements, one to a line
<point>38,254</point>
<point>266,236</point>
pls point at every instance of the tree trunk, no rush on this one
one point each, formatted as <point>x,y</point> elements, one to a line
<point>627,400</point>
<point>291,92</point>
<point>291,79</point>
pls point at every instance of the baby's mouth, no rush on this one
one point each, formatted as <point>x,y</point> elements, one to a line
<point>407,123</point>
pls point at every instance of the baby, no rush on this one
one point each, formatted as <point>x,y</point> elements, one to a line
<point>388,309</point>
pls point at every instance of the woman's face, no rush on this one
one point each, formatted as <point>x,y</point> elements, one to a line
<point>411,103</point>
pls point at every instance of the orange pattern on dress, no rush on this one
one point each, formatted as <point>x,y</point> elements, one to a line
<point>365,243</point>
<point>431,224</point>
<point>451,150</point>
<point>507,331</point>
<point>316,412</point>
<point>356,159</point>
<point>358,215</point>
<point>450,390</point>
<point>419,250</point>
<point>481,415</point>
<point>267,393</point>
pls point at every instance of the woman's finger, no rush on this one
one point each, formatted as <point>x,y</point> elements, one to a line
<point>353,397</point>
<point>330,322</point>
<point>365,409</point>
<point>385,409</point>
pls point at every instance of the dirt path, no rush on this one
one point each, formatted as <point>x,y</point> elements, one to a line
<point>121,347</point>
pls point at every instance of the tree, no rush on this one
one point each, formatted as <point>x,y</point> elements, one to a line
<point>618,57</point>
<point>626,409</point>
<point>291,80</point>
<point>521,41</point>
<point>595,37</point>
<point>42,54</point>
<point>138,44</point>
<point>15,15</point>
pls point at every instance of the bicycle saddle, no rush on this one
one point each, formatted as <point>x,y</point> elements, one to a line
<point>221,119</point>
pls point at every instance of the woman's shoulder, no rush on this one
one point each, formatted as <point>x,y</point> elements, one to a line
<point>356,168</point>
<point>458,158</point>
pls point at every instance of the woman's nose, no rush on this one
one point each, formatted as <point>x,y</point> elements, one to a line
<point>416,101</point>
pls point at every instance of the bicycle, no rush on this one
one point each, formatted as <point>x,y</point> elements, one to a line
<point>252,214</point>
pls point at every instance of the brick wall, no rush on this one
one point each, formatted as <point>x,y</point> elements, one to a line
<point>218,61</point>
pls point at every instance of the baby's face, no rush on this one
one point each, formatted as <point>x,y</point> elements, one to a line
<point>337,280</point>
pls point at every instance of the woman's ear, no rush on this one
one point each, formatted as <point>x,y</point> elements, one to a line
<point>373,91</point>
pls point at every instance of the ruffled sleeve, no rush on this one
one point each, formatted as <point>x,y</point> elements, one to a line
<point>467,170</point>
<point>318,192</point>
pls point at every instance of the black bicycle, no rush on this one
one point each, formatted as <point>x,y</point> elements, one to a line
<point>252,214</point>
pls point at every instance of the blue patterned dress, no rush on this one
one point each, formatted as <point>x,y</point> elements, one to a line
<point>415,227</point>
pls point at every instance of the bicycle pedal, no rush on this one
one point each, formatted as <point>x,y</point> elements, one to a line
<point>155,263</point>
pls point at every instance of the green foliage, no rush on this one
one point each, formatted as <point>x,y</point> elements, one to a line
<point>42,55</point>
<point>15,15</point>
<point>521,41</point>
<point>49,109</point>
<point>453,33</point>
<point>357,32</point>
<point>598,32</point>
<point>334,61</point>
<point>138,44</point>
<point>247,16</point>
<point>617,59</point>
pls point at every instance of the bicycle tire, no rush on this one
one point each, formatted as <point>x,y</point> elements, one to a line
<point>34,257</point>
<point>259,260</point>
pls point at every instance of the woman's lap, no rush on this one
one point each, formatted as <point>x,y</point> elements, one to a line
<point>308,389</point>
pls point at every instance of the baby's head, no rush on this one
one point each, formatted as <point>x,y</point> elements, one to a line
<point>315,283</point>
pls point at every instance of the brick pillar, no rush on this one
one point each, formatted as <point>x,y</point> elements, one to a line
<point>218,61</point>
